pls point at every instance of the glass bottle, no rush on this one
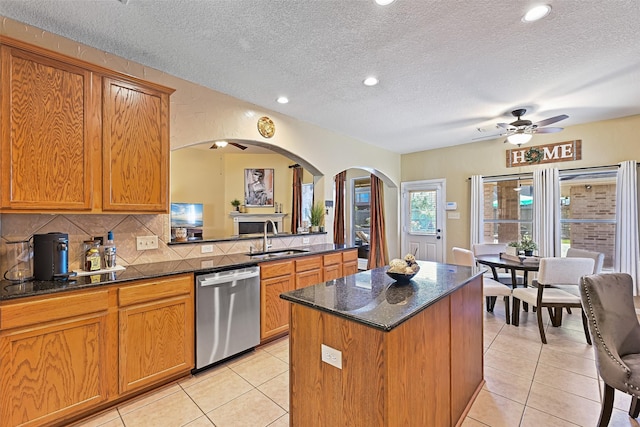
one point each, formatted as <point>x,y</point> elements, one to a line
<point>92,257</point>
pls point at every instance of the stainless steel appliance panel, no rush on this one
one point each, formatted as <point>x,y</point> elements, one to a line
<point>227,314</point>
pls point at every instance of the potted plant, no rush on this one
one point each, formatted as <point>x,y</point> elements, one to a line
<point>513,248</point>
<point>235,203</point>
<point>528,245</point>
<point>316,217</point>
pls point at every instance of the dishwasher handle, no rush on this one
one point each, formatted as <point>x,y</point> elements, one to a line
<point>228,276</point>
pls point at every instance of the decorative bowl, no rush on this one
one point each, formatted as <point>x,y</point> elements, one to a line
<point>400,277</point>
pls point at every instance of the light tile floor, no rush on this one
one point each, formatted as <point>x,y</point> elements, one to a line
<point>527,384</point>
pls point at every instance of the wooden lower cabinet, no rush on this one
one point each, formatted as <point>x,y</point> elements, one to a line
<point>63,356</point>
<point>277,277</point>
<point>156,330</point>
<point>308,271</point>
<point>52,367</point>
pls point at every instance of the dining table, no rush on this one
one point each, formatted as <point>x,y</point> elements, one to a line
<point>496,261</point>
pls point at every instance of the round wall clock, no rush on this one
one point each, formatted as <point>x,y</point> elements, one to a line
<point>266,127</point>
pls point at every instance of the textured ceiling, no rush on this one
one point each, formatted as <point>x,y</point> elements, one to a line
<point>446,67</point>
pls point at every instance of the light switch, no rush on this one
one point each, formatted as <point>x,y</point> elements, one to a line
<point>453,215</point>
<point>331,356</point>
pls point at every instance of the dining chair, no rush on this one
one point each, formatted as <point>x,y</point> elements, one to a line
<point>491,289</point>
<point>598,259</point>
<point>554,274</point>
<point>612,320</point>
<point>496,249</point>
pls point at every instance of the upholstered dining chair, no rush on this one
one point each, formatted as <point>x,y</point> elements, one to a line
<point>598,259</point>
<point>608,303</point>
<point>491,289</point>
<point>554,274</point>
<point>496,249</point>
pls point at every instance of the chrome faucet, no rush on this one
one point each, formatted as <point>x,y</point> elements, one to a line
<point>265,243</point>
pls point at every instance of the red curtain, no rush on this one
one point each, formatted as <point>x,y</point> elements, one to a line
<point>338,218</point>
<point>378,253</point>
<point>296,204</point>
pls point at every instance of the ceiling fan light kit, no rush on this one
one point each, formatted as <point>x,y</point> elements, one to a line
<point>521,130</point>
<point>519,138</point>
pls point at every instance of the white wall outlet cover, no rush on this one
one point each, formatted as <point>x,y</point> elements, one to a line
<point>331,356</point>
<point>305,240</point>
<point>206,249</point>
<point>453,215</point>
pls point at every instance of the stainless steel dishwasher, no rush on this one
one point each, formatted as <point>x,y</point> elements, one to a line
<point>227,314</point>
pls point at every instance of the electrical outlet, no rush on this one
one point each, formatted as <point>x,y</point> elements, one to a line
<point>206,249</point>
<point>305,240</point>
<point>331,356</point>
<point>146,242</point>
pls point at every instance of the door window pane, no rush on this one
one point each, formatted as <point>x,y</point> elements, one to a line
<point>423,209</point>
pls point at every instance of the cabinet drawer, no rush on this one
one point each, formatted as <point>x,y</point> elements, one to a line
<point>308,263</point>
<point>275,269</point>
<point>350,256</point>
<point>52,308</point>
<point>154,289</point>
<point>332,259</point>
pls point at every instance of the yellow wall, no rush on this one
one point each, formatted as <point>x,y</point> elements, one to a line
<point>603,143</point>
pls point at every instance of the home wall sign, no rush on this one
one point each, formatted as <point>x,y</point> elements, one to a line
<point>548,153</point>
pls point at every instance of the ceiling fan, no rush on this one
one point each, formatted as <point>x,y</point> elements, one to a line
<point>222,144</point>
<point>521,130</point>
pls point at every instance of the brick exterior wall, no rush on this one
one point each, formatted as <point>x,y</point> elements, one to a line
<point>599,202</point>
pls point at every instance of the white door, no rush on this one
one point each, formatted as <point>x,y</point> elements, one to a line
<point>423,221</point>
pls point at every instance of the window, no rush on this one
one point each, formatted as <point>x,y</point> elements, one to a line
<point>588,212</point>
<point>361,212</point>
<point>423,207</point>
<point>508,209</point>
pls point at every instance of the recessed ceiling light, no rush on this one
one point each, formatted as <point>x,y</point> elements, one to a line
<point>384,2</point>
<point>282,100</point>
<point>370,81</point>
<point>536,13</point>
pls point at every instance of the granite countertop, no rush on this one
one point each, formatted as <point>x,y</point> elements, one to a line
<point>9,290</point>
<point>374,299</point>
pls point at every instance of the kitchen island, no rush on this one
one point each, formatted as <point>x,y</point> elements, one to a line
<point>365,350</point>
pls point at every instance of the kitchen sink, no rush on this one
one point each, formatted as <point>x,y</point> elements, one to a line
<point>276,254</point>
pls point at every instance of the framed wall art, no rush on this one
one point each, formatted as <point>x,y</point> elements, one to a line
<point>258,187</point>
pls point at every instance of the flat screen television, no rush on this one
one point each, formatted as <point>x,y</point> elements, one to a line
<point>186,215</point>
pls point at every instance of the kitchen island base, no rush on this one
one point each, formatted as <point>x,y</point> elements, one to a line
<point>424,372</point>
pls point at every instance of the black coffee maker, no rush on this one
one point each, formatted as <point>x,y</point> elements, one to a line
<point>51,256</point>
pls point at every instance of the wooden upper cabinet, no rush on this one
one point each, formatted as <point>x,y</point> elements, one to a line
<point>135,147</point>
<point>75,136</point>
<point>47,132</point>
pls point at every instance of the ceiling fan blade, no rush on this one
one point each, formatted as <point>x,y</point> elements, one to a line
<point>489,137</point>
<point>240,146</point>
<point>551,120</point>
<point>548,130</point>
<point>504,125</point>
<point>213,147</point>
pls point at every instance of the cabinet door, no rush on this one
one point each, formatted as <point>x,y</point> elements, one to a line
<point>308,278</point>
<point>349,268</point>
<point>332,272</point>
<point>48,130</point>
<point>135,144</point>
<point>274,313</point>
<point>53,370</point>
<point>156,341</point>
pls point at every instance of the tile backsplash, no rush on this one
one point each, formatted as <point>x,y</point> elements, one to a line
<point>81,227</point>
